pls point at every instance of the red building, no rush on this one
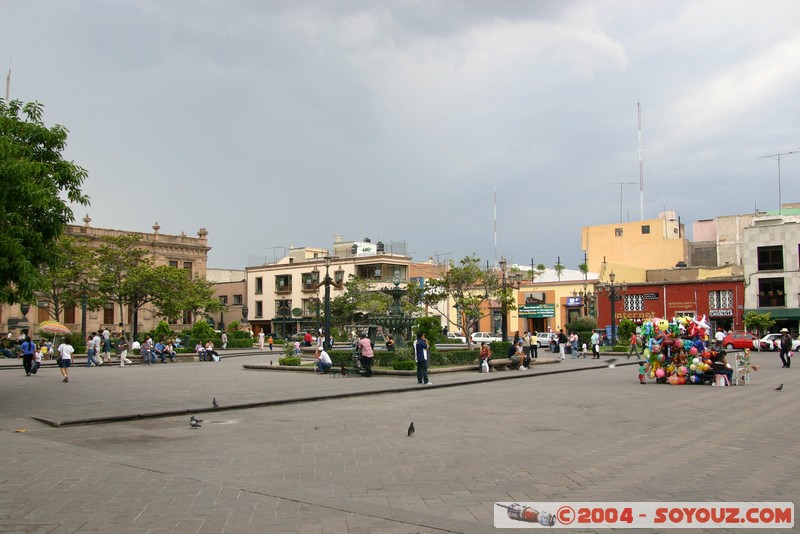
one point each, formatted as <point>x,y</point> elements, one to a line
<point>721,301</point>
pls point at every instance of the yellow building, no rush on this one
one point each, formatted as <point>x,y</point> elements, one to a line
<point>652,244</point>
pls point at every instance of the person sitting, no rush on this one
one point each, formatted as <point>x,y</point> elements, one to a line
<point>201,351</point>
<point>720,366</point>
<point>158,350</point>
<point>513,356</point>
<point>168,350</point>
<point>521,358</point>
<point>324,362</point>
<point>211,352</point>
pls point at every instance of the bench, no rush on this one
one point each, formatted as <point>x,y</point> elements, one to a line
<point>501,364</point>
<point>336,371</point>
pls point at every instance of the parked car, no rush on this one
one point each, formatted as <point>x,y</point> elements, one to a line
<point>767,343</point>
<point>488,337</point>
<point>739,340</point>
<point>452,337</point>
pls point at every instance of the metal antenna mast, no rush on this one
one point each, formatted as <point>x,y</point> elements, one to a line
<point>778,158</point>
<point>621,185</point>
<point>641,162</point>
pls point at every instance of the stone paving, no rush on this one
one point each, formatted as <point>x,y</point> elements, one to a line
<point>345,464</point>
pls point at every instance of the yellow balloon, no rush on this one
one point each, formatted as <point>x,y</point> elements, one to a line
<point>652,374</point>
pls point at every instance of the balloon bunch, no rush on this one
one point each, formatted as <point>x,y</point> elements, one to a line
<point>674,359</point>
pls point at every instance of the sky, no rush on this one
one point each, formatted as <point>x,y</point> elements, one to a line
<point>458,128</point>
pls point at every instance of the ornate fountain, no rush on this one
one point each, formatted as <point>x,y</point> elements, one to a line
<point>395,322</point>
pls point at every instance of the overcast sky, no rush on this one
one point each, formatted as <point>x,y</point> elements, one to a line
<point>277,124</point>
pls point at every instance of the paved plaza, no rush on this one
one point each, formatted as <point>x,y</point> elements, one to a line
<point>345,464</point>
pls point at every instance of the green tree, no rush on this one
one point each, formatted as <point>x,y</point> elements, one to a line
<point>68,277</point>
<point>431,327</point>
<point>469,286</point>
<point>761,322</point>
<point>584,269</point>
<point>558,268</point>
<point>36,183</point>
<point>359,302</point>
<point>625,328</point>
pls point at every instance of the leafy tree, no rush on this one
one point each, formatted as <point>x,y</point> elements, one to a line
<point>431,327</point>
<point>625,328</point>
<point>162,331</point>
<point>68,278</point>
<point>558,268</point>
<point>233,326</point>
<point>359,302</point>
<point>33,214</point>
<point>202,331</point>
<point>538,271</point>
<point>469,286</point>
<point>762,322</point>
<point>584,269</point>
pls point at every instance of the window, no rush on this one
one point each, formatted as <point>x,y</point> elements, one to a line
<point>187,266</point>
<point>634,302</point>
<point>770,258</point>
<point>69,314</point>
<point>223,299</point>
<point>259,309</point>
<point>310,280</point>
<point>283,308</point>
<point>617,232</point>
<point>259,285</point>
<point>43,311</point>
<point>108,313</point>
<point>173,263</point>
<point>771,292</point>
<point>645,228</point>
<point>237,300</point>
<point>283,283</point>
<point>310,306</point>
<point>720,300</point>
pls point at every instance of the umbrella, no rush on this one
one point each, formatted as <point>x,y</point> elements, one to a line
<point>53,327</point>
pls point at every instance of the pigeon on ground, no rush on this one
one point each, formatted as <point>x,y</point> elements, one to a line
<point>196,419</point>
<point>194,423</point>
<point>611,363</point>
<point>270,363</point>
<point>411,429</point>
<point>215,403</point>
<point>779,388</point>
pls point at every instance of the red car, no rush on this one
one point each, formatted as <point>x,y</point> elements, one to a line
<point>739,340</point>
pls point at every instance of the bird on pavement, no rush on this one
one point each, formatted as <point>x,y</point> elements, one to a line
<point>215,403</point>
<point>611,363</point>
<point>779,388</point>
<point>270,363</point>
<point>411,429</point>
<point>194,423</point>
<point>196,419</point>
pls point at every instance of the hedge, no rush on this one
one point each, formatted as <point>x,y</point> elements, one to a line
<point>388,359</point>
<point>288,361</point>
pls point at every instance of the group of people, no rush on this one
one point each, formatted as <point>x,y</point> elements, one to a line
<point>206,352</point>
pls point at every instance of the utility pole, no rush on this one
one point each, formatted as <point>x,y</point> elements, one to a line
<point>621,185</point>
<point>778,158</point>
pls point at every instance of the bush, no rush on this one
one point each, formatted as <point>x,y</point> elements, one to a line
<point>500,349</point>
<point>233,327</point>
<point>202,330</point>
<point>162,331</point>
<point>289,361</point>
<point>404,365</point>
<point>240,343</point>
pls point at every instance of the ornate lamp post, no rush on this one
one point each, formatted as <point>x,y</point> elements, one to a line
<point>327,328</point>
<point>614,294</point>
<point>515,281</point>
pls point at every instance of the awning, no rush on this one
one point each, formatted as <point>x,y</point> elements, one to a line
<point>779,313</point>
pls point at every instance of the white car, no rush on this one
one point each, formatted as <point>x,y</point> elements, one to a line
<point>488,337</point>
<point>767,342</point>
<point>452,337</point>
<point>545,338</point>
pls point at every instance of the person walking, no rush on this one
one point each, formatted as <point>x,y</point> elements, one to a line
<point>121,350</point>
<point>224,340</point>
<point>786,347</point>
<point>261,341</point>
<point>526,345</point>
<point>421,352</point>
<point>367,355</point>
<point>106,346</point>
<point>595,341</point>
<point>37,359</point>
<point>65,352</point>
<point>28,350</point>
<point>634,348</point>
<point>534,345</point>
<point>270,342</point>
<point>562,344</point>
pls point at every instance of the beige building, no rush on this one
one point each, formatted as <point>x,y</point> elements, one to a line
<point>652,244</point>
<point>287,297</point>
<point>179,251</point>
<point>230,287</point>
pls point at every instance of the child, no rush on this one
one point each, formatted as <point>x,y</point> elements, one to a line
<point>37,360</point>
<point>584,349</point>
<point>297,348</point>
<point>642,371</point>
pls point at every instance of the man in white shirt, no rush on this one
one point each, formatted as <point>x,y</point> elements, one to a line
<point>324,362</point>
<point>719,337</point>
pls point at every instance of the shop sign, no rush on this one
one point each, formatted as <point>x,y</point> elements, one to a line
<point>574,301</point>
<point>650,296</point>
<point>720,313</point>
<point>537,311</point>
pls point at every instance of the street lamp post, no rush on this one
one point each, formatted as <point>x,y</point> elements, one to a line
<point>614,295</point>
<point>516,280</point>
<point>327,343</point>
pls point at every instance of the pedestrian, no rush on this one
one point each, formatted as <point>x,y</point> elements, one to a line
<point>270,342</point>
<point>28,350</point>
<point>534,345</point>
<point>642,371</point>
<point>485,355</point>
<point>37,359</point>
<point>297,348</point>
<point>324,362</point>
<point>526,345</point>
<point>90,350</point>
<point>261,341</point>
<point>634,348</point>
<point>147,353</point>
<point>390,344</point>
<point>65,352</point>
<point>224,340</point>
<point>421,352</point>
<point>106,346</point>
<point>719,337</point>
<point>573,341</point>
<point>367,355</point>
<point>786,347</point>
<point>562,344</point>
<point>595,341</point>
<point>121,350</point>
